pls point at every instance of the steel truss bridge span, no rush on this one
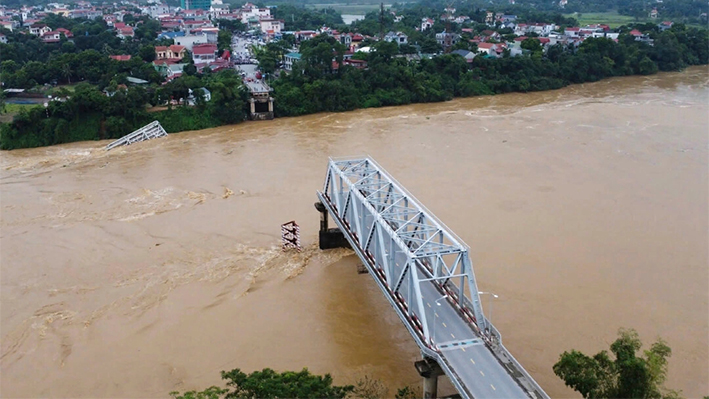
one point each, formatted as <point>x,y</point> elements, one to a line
<point>425,272</point>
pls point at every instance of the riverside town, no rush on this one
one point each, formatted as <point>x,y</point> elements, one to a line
<point>90,71</point>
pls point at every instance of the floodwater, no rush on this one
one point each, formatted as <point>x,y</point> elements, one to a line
<point>151,268</point>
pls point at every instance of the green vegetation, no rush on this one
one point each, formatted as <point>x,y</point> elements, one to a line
<point>317,84</point>
<point>612,19</point>
<point>269,384</point>
<point>356,9</point>
<point>91,114</point>
<point>626,376</point>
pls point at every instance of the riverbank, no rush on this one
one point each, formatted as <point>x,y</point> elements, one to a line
<point>314,86</point>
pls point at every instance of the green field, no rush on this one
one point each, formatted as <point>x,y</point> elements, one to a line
<point>353,9</point>
<point>13,109</point>
<point>611,19</point>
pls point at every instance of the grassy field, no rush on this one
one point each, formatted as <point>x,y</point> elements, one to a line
<point>611,19</point>
<point>354,9</point>
<point>13,109</point>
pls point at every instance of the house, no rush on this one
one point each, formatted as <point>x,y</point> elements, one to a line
<point>39,29</point>
<point>487,48</point>
<point>461,19</point>
<point>206,96</point>
<point>126,33</point>
<point>9,24</point>
<point>170,52</point>
<point>572,32</point>
<point>489,18</point>
<point>653,13</point>
<point>358,64</point>
<point>66,32</point>
<point>663,26</point>
<point>204,53</point>
<point>271,26</point>
<point>447,39</point>
<point>189,41</point>
<point>426,23</point>
<point>3,38</point>
<point>52,37</point>
<point>120,57</point>
<point>398,38</point>
<point>289,60</point>
<point>466,54</point>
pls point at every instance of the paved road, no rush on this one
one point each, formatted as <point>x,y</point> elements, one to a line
<point>474,363</point>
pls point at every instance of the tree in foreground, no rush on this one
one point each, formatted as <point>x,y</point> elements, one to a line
<point>269,384</point>
<point>626,376</point>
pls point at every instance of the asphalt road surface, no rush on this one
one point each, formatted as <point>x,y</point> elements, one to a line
<point>474,363</point>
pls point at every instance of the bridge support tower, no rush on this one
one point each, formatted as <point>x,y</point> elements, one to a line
<point>329,238</point>
<point>430,371</point>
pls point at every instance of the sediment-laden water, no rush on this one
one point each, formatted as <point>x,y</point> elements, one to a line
<point>150,268</point>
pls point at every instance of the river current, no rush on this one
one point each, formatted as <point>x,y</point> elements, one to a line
<point>150,268</point>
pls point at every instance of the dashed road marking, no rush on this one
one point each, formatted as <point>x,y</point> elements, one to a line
<point>452,335</point>
<point>481,372</point>
<point>435,314</point>
<point>463,349</point>
<point>493,387</point>
<point>429,305</point>
<point>473,361</point>
<point>444,325</point>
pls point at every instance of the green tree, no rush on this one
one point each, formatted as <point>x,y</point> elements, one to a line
<point>626,376</point>
<point>268,384</point>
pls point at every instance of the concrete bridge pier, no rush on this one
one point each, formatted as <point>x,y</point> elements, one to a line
<point>430,371</point>
<point>329,238</point>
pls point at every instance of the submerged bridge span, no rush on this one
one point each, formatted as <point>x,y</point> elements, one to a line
<point>425,272</point>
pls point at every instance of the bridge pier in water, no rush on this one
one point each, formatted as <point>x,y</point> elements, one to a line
<point>329,238</point>
<point>430,371</point>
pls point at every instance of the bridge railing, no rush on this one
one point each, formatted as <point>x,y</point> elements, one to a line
<point>402,243</point>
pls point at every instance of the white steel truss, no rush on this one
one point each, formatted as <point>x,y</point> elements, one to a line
<point>404,242</point>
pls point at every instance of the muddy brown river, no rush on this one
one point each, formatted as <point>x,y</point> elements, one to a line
<point>150,268</point>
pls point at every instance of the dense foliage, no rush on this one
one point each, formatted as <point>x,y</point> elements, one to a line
<point>269,384</point>
<point>626,376</point>
<point>28,61</point>
<point>301,18</point>
<point>688,11</point>
<point>91,114</point>
<point>316,85</point>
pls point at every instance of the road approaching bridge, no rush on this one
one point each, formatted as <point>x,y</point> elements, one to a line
<point>425,272</point>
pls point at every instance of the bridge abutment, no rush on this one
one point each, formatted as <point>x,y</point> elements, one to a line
<point>430,371</point>
<point>329,238</point>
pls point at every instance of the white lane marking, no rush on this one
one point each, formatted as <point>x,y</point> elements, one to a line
<point>463,349</point>
<point>481,372</point>
<point>452,335</point>
<point>472,361</point>
<point>444,325</point>
<point>435,314</point>
<point>493,387</point>
<point>429,305</point>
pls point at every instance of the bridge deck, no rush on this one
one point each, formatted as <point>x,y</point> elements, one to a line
<point>416,260</point>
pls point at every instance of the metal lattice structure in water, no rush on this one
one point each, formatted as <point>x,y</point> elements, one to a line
<point>402,238</point>
<point>147,132</point>
<point>414,259</point>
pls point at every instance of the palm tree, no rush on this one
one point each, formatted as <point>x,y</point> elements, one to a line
<point>66,72</point>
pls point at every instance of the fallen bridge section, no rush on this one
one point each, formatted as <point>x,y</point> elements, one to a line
<point>425,272</point>
<point>147,132</point>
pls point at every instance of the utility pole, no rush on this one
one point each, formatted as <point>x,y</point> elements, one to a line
<point>381,21</point>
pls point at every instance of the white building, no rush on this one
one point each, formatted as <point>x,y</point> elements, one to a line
<point>189,41</point>
<point>271,26</point>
